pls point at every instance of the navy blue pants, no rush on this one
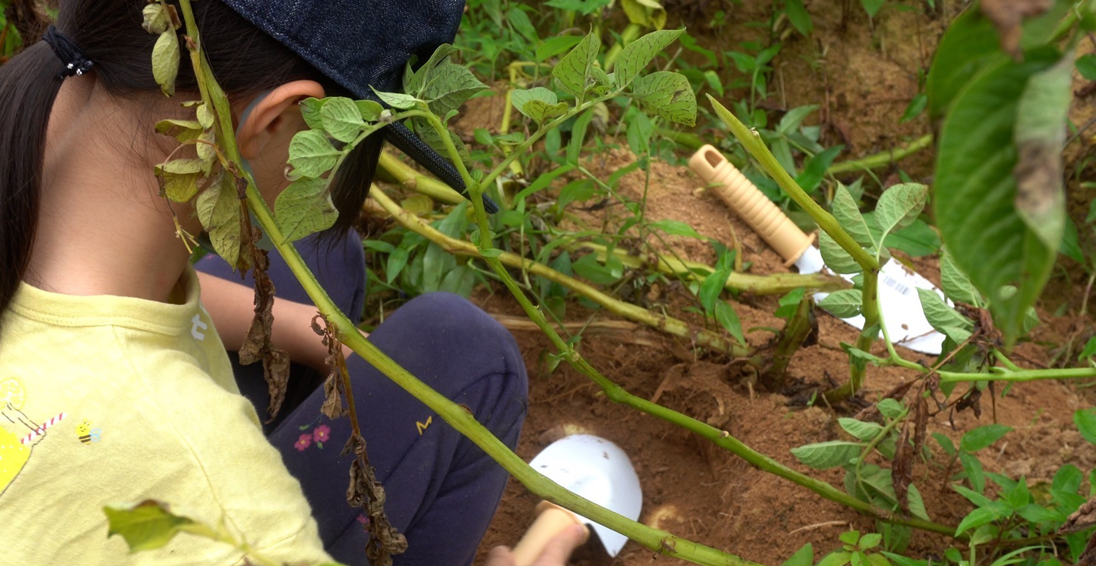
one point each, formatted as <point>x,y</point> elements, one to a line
<point>442,490</point>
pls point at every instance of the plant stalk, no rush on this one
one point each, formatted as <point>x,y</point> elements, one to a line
<point>627,310</point>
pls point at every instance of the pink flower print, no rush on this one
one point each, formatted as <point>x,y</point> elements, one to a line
<point>303,442</point>
<point>321,434</point>
<point>363,520</point>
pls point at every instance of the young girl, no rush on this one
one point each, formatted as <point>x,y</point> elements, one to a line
<point>114,383</point>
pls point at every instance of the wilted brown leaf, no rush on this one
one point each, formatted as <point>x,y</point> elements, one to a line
<point>366,492</point>
<point>1007,15</point>
<point>258,344</point>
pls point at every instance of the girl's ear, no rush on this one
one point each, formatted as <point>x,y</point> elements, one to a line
<point>270,116</point>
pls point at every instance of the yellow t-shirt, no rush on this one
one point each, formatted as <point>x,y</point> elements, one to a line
<point>107,400</point>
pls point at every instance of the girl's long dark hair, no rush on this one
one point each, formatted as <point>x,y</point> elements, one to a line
<point>246,62</point>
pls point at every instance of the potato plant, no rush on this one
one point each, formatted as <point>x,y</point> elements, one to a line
<point>999,88</point>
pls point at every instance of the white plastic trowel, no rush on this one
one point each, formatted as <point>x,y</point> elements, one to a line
<point>902,314</point>
<point>593,468</point>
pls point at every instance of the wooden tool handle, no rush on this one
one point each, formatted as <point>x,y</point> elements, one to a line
<point>551,520</point>
<point>749,203</point>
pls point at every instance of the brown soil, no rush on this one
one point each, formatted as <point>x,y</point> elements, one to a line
<point>863,75</point>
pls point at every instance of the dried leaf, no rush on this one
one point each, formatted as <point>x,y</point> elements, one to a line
<point>1007,15</point>
<point>902,468</point>
<point>366,492</point>
<point>258,344</point>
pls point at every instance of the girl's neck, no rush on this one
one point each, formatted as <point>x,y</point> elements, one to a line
<point>102,227</point>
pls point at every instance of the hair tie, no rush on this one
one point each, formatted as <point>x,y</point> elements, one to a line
<point>70,54</point>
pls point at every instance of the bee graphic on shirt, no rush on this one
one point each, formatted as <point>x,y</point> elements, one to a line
<point>87,433</point>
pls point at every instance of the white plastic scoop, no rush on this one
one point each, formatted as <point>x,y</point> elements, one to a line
<point>593,468</point>
<point>902,314</point>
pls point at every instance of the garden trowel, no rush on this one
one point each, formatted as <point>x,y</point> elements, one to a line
<point>594,469</point>
<point>898,299</point>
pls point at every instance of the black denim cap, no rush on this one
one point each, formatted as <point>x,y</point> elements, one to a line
<point>365,43</point>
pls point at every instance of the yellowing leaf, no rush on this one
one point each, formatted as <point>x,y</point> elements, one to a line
<point>181,130</point>
<point>180,178</point>
<point>218,209</point>
<point>165,61</point>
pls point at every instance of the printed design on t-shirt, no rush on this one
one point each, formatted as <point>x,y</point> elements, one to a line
<point>18,433</point>
<point>198,327</point>
<point>318,436</point>
<point>87,434</point>
<point>422,426</point>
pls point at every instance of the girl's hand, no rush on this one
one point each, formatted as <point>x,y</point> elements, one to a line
<point>557,552</point>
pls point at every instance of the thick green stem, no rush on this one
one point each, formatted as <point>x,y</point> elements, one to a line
<point>882,159</point>
<point>753,144</point>
<point>415,181</point>
<point>761,285</point>
<point>627,310</point>
<point>1020,375</point>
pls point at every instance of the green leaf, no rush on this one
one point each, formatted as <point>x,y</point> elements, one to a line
<point>917,503</point>
<point>890,407</point>
<point>668,95</point>
<point>794,118</point>
<point>519,20</point>
<point>973,468</point>
<point>848,216</point>
<point>976,498</point>
<point>872,6</point>
<point>915,108</point>
<point>863,431</point>
<point>798,16</point>
<point>588,267</point>
<point>981,437</point>
<point>917,239</point>
<point>555,45</point>
<point>975,193</point>
<point>310,111</point>
<point>835,256</point>
<point>311,155</point>
<point>1086,423</point>
<point>165,61</point>
<point>943,318</point>
<point>218,209</point>
<point>149,524</point>
<point>868,541</point>
<point>805,556</point>
<point>459,280</point>
<point>397,100</point>
<point>584,7</point>
<point>789,303</point>
<point>341,119</point>
<point>638,54</point>
<point>849,538</point>
<point>836,558</point>
<point>572,71</point>
<point>862,357</point>
<point>522,97</point>
<point>448,86</point>
<point>1086,65</point>
<point>370,110</point>
<point>844,303</point>
<point>815,168</point>
<point>1037,514</point>
<point>305,208</point>
<point>1068,479</point>
<point>1089,350</point>
<point>1040,136</point>
<point>415,80</point>
<point>541,112</point>
<point>955,283</point>
<point>828,455</point>
<point>968,44</point>
<point>714,283</point>
<point>155,19</point>
<point>979,517</point>
<point>945,443</point>
<point>899,206</point>
<point>728,319</point>
<point>676,228</point>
